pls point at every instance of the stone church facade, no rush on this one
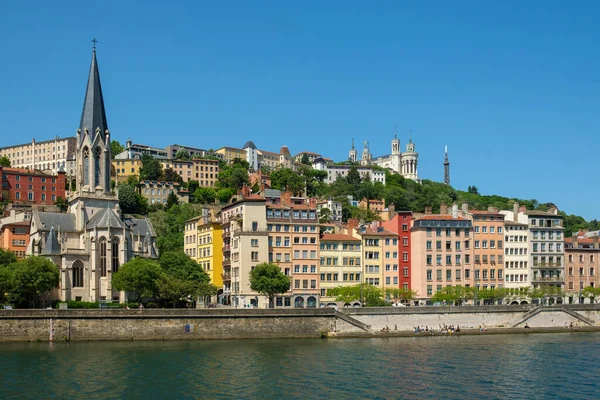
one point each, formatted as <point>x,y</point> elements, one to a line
<point>403,163</point>
<point>92,239</point>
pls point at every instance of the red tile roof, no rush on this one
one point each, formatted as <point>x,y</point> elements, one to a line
<point>383,232</point>
<point>440,217</point>
<point>338,236</point>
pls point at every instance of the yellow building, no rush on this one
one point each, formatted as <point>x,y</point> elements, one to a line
<point>126,168</point>
<point>340,263</point>
<point>203,243</point>
<point>229,153</point>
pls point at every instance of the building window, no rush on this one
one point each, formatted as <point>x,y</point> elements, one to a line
<point>115,255</point>
<point>77,272</point>
<point>102,257</point>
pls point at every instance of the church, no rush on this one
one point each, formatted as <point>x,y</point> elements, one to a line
<point>92,239</point>
<point>401,163</point>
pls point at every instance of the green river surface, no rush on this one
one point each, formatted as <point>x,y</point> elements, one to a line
<point>527,366</point>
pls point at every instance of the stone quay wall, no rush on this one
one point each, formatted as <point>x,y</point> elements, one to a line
<point>406,318</point>
<point>180,324</point>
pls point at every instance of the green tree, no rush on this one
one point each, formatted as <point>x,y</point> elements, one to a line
<point>7,257</point>
<point>29,279</point>
<point>206,195</point>
<point>233,177</point>
<point>172,290</point>
<point>182,154</point>
<point>205,291</point>
<point>324,215</point>
<point>353,178</point>
<point>61,204</point>
<point>400,295</point>
<point>592,293</point>
<point>4,161</point>
<point>268,280</point>
<point>116,148</point>
<point>128,200</point>
<point>223,195</point>
<point>305,160</point>
<point>287,180</point>
<point>192,185</point>
<point>368,295</point>
<point>139,276</point>
<point>172,200</point>
<point>170,175</point>
<point>151,169</point>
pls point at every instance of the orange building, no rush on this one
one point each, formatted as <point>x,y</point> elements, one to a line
<point>441,253</point>
<point>488,249</point>
<point>582,254</point>
<point>14,234</point>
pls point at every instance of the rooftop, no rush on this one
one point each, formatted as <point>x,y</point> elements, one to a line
<point>338,237</point>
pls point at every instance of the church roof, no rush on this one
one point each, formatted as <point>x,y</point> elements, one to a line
<point>140,226</point>
<point>46,220</point>
<point>105,218</point>
<point>51,247</point>
<point>93,115</point>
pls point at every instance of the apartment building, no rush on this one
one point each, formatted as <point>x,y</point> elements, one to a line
<point>268,159</point>
<point>516,257</point>
<point>311,156</point>
<point>136,150</point>
<point>401,223</point>
<point>488,249</point>
<point>341,171</point>
<point>32,186</point>
<point>293,228</point>
<point>380,256</point>
<point>581,252</point>
<point>157,192</point>
<point>441,253</point>
<point>228,154</point>
<point>126,168</point>
<point>183,168</point>
<point>340,264</point>
<point>205,172</point>
<point>335,207</point>
<point>245,244</point>
<point>546,247</point>
<point>14,233</point>
<point>49,155</point>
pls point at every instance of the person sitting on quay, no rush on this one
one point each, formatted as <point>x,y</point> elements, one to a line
<point>526,326</point>
<point>457,328</point>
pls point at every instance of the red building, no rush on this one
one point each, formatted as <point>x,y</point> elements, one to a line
<point>32,186</point>
<point>401,224</point>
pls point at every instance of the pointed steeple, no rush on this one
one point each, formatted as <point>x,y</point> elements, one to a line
<point>93,115</point>
<point>51,247</point>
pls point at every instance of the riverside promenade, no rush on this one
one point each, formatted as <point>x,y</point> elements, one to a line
<point>186,324</point>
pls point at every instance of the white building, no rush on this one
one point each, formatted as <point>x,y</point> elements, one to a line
<point>516,255</point>
<point>334,206</point>
<point>336,171</point>
<point>48,156</point>
<point>251,155</point>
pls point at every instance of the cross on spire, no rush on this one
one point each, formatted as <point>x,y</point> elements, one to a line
<point>94,41</point>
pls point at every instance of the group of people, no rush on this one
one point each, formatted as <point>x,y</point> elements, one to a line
<point>443,329</point>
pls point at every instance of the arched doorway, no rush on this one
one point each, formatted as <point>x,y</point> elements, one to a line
<point>311,302</point>
<point>299,302</point>
<point>524,302</point>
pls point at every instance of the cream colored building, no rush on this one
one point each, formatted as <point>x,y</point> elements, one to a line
<point>126,168</point>
<point>245,244</point>
<point>157,192</point>
<point>230,153</point>
<point>516,256</point>
<point>206,172</point>
<point>340,264</point>
<point>49,155</point>
<point>379,256</point>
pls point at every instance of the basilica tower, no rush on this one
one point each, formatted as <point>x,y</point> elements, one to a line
<point>353,154</point>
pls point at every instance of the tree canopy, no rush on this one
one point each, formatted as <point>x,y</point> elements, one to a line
<point>116,147</point>
<point>26,281</point>
<point>268,280</point>
<point>151,169</point>
<point>4,161</point>
<point>139,276</point>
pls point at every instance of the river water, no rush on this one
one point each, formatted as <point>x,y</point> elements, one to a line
<point>528,366</point>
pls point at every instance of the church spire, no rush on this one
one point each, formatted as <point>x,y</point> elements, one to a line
<point>93,116</point>
<point>446,167</point>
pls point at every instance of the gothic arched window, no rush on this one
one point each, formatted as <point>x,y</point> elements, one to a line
<point>97,168</point>
<point>103,257</point>
<point>115,255</point>
<point>86,166</point>
<point>77,278</point>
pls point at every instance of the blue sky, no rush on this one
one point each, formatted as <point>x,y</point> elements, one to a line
<point>511,87</point>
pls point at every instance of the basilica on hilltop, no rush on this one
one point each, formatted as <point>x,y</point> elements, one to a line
<point>92,239</point>
<point>401,163</point>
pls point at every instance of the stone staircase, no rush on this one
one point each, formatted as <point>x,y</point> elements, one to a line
<point>352,321</point>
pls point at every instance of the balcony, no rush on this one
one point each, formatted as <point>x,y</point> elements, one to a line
<point>547,279</point>
<point>226,234</point>
<point>226,276</point>
<point>226,263</point>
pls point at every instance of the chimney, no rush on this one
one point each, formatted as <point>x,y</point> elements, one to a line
<point>312,202</point>
<point>516,212</point>
<point>286,198</point>
<point>575,241</point>
<point>553,210</point>
<point>391,211</point>
<point>595,241</point>
<point>443,209</point>
<point>522,209</point>
<point>245,191</point>
<point>454,211</point>
<point>428,210</point>
<point>352,224</point>
<point>465,207</point>
<point>492,209</point>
